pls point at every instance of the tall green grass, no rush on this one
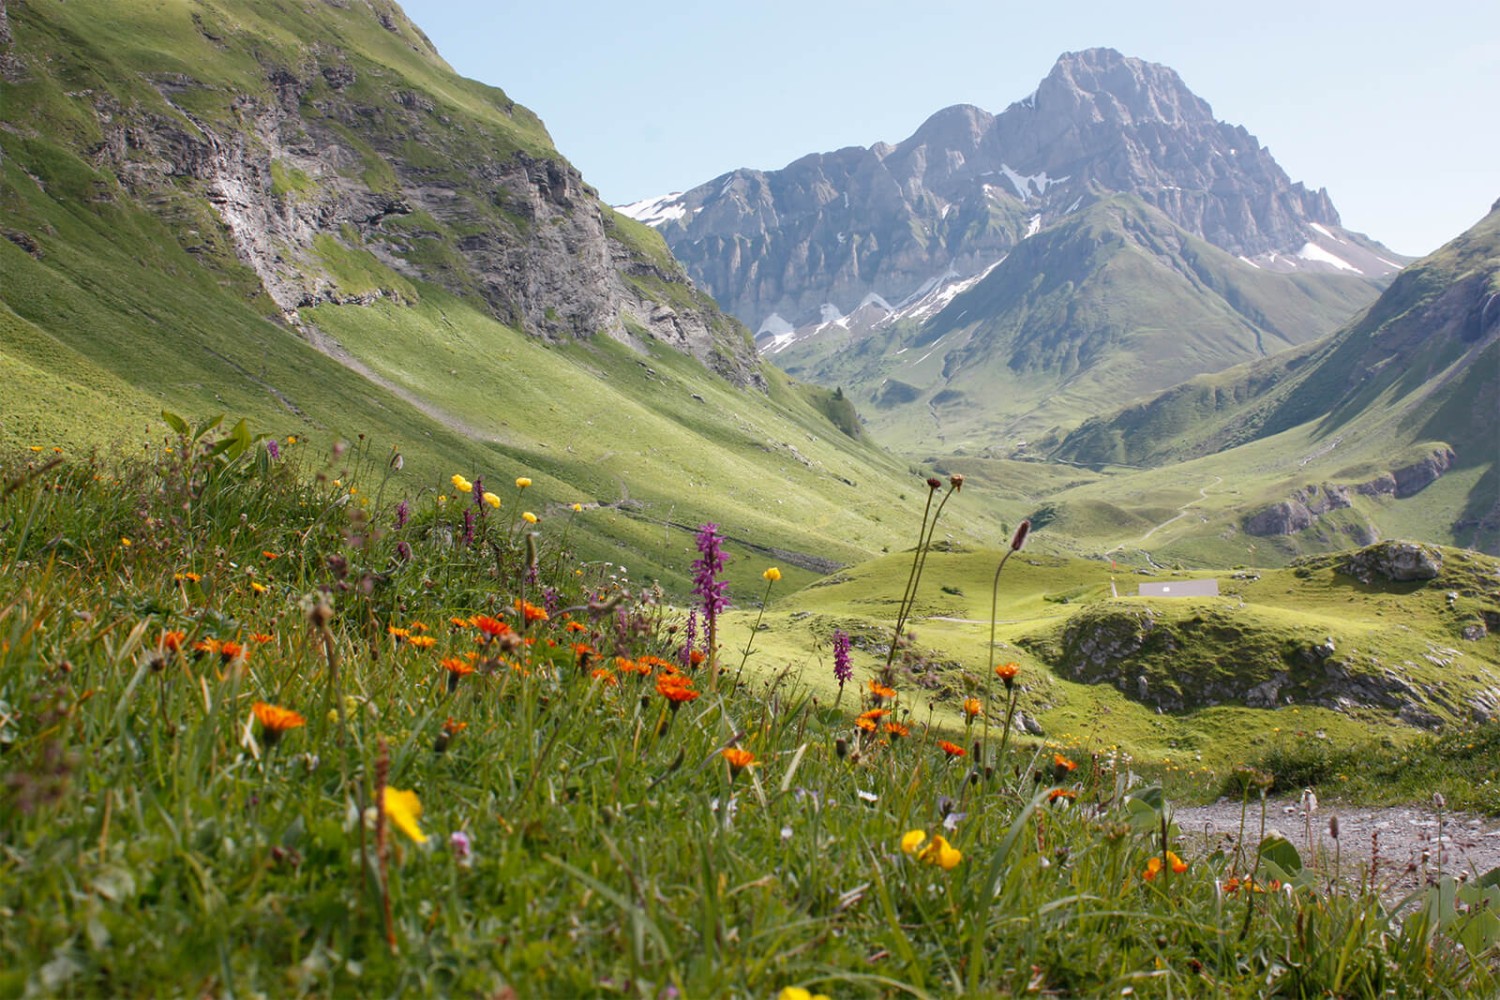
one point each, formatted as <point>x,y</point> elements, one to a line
<point>577,834</point>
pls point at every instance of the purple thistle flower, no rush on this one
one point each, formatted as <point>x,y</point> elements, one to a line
<point>403,513</point>
<point>469,526</point>
<point>273,449</point>
<point>843,669</point>
<point>712,592</point>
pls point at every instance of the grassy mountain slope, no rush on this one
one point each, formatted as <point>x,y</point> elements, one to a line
<point>1405,394</point>
<point>1183,679</point>
<point>135,278</point>
<point>1112,303</point>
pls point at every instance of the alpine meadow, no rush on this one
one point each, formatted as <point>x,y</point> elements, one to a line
<point>1047,555</point>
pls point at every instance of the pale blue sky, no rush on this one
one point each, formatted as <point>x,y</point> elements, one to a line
<point>1393,107</point>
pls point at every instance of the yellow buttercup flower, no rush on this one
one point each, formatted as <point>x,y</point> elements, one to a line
<point>461,484</point>
<point>771,575</point>
<point>577,507</point>
<point>798,993</point>
<point>492,500</point>
<point>529,517</point>
<point>404,809</point>
<point>940,853</point>
<point>522,483</point>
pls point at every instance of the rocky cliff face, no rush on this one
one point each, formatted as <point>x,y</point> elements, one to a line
<point>329,158</point>
<point>835,232</point>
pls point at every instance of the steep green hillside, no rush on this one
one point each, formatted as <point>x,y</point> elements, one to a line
<point>1397,412</point>
<point>299,215</point>
<point>1111,303</point>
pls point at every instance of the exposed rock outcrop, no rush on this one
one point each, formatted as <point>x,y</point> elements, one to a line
<point>1216,658</point>
<point>1398,562</point>
<point>316,172</point>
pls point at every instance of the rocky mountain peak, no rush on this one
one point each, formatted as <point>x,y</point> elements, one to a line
<point>1101,85</point>
<point>834,232</point>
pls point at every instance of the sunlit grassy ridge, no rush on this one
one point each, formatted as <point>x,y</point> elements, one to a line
<point>552,824</point>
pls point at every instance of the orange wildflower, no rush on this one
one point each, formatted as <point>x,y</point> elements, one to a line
<point>491,628</point>
<point>607,677</point>
<point>1063,765</point>
<point>531,612</point>
<point>275,720</point>
<point>268,554</point>
<point>868,725</point>
<point>738,759</point>
<point>422,641</point>
<point>397,632</point>
<point>1065,794</point>
<point>172,640</point>
<point>676,691</point>
<point>577,627</point>
<point>952,749</point>
<point>1154,866</point>
<point>879,691</point>
<point>261,637</point>
<point>1007,673</point>
<point>230,651</point>
<point>896,730</point>
<point>972,707</point>
<point>457,670</point>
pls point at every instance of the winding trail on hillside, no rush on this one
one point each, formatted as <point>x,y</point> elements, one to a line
<point>1181,513</point>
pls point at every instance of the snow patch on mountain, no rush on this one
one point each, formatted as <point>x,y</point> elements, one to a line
<point>1311,251</point>
<point>1024,183</point>
<point>656,211</point>
<point>936,293</point>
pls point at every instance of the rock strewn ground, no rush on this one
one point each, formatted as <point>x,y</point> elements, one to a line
<point>1413,845</point>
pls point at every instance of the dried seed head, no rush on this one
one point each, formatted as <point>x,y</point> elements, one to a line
<point>1019,538</point>
<point>1333,826</point>
<point>956,481</point>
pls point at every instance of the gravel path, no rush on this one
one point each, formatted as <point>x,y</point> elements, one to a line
<point>1411,846</point>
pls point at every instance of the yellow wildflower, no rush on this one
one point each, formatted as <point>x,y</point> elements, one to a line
<point>404,809</point>
<point>798,993</point>
<point>912,841</point>
<point>940,853</point>
<point>492,500</point>
<point>771,575</point>
<point>577,507</point>
<point>529,517</point>
<point>461,484</point>
<point>522,483</point>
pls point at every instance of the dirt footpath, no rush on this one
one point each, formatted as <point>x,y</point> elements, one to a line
<point>1412,846</point>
